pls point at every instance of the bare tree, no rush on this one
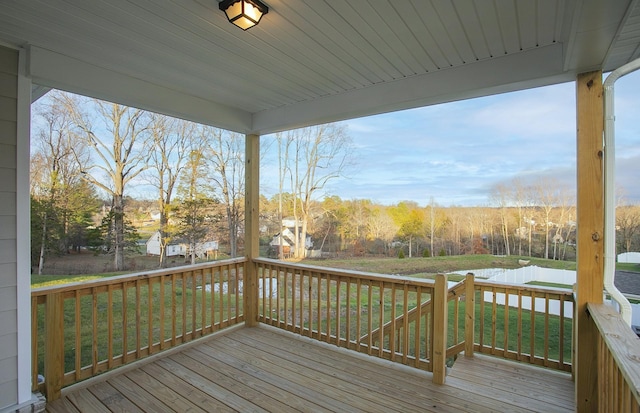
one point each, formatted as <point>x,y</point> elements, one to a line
<point>627,224</point>
<point>500,195</point>
<point>284,143</point>
<point>193,214</point>
<point>547,196</point>
<point>320,155</point>
<point>119,145</point>
<point>381,226</point>
<point>172,144</point>
<point>57,171</point>
<point>226,157</point>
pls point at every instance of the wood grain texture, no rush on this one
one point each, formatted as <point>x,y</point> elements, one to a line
<point>590,224</point>
<point>265,369</point>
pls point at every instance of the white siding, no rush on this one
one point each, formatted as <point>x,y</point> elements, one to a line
<point>153,244</point>
<point>8,244</point>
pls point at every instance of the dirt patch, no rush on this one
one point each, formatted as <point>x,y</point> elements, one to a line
<point>86,262</point>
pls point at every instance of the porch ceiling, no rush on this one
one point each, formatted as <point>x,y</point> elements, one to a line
<point>313,61</point>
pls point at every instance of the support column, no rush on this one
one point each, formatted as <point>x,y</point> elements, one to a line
<point>251,234</point>
<point>440,323</point>
<point>590,224</point>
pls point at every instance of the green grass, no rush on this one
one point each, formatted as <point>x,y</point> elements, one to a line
<point>547,284</point>
<point>38,281</point>
<point>435,265</point>
<point>624,266</point>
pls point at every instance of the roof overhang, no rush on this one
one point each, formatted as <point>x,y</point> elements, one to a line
<point>312,62</point>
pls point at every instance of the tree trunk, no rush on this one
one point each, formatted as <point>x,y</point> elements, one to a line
<point>163,240</point>
<point>42,245</point>
<point>118,229</point>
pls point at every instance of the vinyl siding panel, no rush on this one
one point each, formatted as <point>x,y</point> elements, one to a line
<point>8,393</point>
<point>8,204</point>
<point>8,268</point>
<point>7,253</point>
<point>8,155</point>
<point>8,298</point>
<point>8,231</point>
<point>7,132</point>
<point>8,369</point>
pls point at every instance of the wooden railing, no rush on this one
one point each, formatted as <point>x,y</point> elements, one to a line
<point>618,364</point>
<point>458,319</point>
<point>83,329</point>
<point>406,320</point>
<point>525,323</point>
<point>346,308</point>
<point>396,318</point>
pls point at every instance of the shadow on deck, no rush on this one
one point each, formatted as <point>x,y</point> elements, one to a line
<point>266,369</point>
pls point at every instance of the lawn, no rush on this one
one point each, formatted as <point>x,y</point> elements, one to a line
<point>420,267</point>
<point>435,265</point>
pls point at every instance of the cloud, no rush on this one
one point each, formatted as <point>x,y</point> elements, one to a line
<point>456,152</point>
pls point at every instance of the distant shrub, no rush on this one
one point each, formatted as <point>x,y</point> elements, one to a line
<point>401,254</point>
<point>442,253</point>
<point>426,253</point>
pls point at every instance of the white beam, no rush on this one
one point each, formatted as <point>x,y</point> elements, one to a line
<point>23,233</point>
<point>59,71</point>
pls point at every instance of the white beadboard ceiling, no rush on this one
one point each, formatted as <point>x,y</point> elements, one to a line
<point>313,61</point>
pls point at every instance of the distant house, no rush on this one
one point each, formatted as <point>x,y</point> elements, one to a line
<point>288,239</point>
<point>179,247</point>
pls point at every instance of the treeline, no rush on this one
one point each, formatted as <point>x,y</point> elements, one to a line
<point>362,228</point>
<point>89,156</point>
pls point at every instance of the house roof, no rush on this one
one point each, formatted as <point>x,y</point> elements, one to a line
<point>310,62</point>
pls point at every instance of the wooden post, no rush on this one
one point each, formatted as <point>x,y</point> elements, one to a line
<point>470,313</point>
<point>590,224</point>
<point>54,346</point>
<point>251,236</point>
<point>440,323</point>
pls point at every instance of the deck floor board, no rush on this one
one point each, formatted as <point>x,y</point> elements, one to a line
<point>264,369</point>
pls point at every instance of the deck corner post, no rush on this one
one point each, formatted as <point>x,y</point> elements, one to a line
<point>54,346</point>
<point>440,313</point>
<point>590,224</point>
<point>470,313</point>
<point>251,235</point>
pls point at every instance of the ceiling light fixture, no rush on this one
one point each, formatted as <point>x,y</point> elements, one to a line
<point>244,13</point>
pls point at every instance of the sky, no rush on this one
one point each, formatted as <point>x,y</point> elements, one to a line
<point>456,152</point>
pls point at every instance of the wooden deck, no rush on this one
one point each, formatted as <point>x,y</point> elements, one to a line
<point>265,369</point>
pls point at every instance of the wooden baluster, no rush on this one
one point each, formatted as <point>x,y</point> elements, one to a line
<point>470,312</point>
<point>405,324</point>
<point>310,276</point>
<point>440,312</point>
<point>78,336</point>
<point>338,304</point>
<point>34,343</point>
<point>162,312</point>
<point>109,326</point>
<point>94,329</point>
<point>505,345</point>
<point>54,346</point>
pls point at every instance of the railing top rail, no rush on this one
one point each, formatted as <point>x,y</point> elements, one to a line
<point>131,277</point>
<point>534,288</point>
<point>397,279</point>
<point>623,344</point>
